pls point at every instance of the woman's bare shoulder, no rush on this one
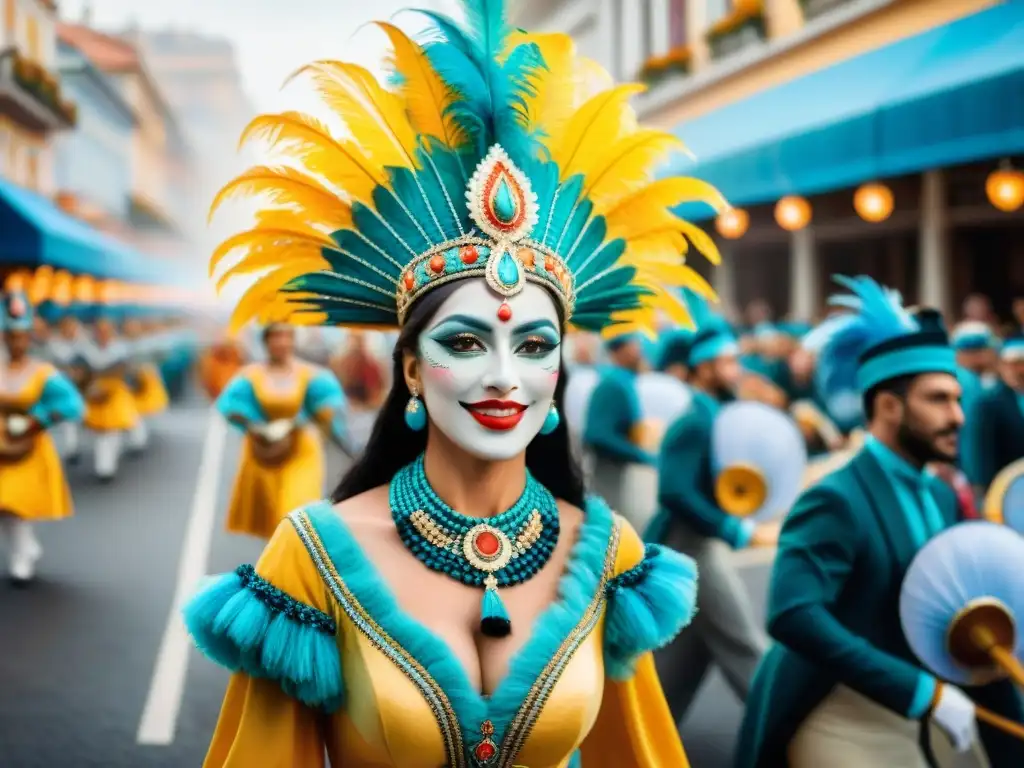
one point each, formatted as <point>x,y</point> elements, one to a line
<point>369,509</point>
<point>570,517</point>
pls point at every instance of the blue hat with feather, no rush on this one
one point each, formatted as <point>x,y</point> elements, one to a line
<point>17,312</point>
<point>878,339</point>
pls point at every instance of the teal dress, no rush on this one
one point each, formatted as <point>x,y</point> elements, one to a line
<point>996,432</point>
<point>834,608</point>
<point>686,480</point>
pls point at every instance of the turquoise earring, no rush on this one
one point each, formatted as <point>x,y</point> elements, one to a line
<point>551,421</point>
<point>415,412</point>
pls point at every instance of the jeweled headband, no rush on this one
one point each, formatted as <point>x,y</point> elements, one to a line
<point>497,154</point>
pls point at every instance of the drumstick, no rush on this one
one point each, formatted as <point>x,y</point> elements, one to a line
<point>1010,664</point>
<point>1000,722</point>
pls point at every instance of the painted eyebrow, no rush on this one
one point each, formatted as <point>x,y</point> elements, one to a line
<point>536,325</point>
<point>472,322</point>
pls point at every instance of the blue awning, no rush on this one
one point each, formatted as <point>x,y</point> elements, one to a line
<point>952,95</point>
<point>34,231</point>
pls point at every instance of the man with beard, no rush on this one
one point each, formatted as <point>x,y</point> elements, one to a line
<point>997,428</point>
<point>841,687</point>
<point>724,631</point>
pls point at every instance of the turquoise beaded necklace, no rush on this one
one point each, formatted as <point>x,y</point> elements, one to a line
<point>500,551</point>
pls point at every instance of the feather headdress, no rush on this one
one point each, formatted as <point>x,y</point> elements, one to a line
<point>875,340</point>
<point>491,153</point>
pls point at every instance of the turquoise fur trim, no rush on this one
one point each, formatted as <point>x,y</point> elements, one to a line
<point>60,401</point>
<point>577,590</point>
<point>648,605</point>
<point>239,399</point>
<point>243,622</point>
<point>902,362</point>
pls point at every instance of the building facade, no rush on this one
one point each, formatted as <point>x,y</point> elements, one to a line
<point>33,106</point>
<point>813,99</point>
<point>94,162</point>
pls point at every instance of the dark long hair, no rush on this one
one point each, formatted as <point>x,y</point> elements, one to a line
<point>392,445</point>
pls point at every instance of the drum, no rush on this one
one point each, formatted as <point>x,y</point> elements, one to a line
<point>273,453</point>
<point>818,429</point>
<point>14,444</point>
<point>758,460</point>
<point>663,399</point>
<point>1004,502</point>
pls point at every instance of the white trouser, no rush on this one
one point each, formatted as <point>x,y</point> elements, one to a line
<point>107,453</point>
<point>23,548</point>
<point>69,436</point>
<point>138,436</point>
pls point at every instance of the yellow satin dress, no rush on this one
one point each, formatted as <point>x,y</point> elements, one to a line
<point>117,411</point>
<point>150,393</point>
<point>35,488</point>
<point>262,496</point>
<point>411,705</point>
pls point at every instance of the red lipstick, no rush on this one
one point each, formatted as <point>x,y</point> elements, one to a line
<point>496,415</point>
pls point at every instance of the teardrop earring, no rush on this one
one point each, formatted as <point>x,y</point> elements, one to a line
<point>551,421</point>
<point>415,411</point>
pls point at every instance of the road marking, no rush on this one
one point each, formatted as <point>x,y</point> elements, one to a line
<point>167,686</point>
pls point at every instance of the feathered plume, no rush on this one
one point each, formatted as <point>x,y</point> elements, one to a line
<point>875,314</point>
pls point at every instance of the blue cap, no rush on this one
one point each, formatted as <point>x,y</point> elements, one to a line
<point>1013,348</point>
<point>973,335</point>
<point>712,341</point>
<point>17,312</point>
<point>674,349</point>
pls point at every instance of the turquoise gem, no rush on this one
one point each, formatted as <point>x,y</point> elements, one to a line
<point>505,208</point>
<point>508,270</point>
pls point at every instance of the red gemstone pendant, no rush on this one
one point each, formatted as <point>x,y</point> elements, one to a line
<point>486,750</point>
<point>487,544</point>
<point>504,312</point>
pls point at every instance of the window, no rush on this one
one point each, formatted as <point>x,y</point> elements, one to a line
<point>677,23</point>
<point>647,45</point>
<point>717,10</point>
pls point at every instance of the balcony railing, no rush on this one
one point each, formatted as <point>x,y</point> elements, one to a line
<point>659,68</point>
<point>743,27</point>
<point>815,8</point>
<point>32,95</point>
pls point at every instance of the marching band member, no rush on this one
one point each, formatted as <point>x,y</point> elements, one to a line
<point>724,632</point>
<point>282,463</point>
<point>613,431</point>
<point>34,396</point>
<point>147,384</point>
<point>997,429</point>
<point>110,409</point>
<point>841,687</point>
<point>67,352</point>
<point>397,606</point>
<point>977,350</point>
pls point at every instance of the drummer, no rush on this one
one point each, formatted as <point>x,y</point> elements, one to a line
<point>613,429</point>
<point>841,687</point>
<point>725,631</point>
<point>997,419</point>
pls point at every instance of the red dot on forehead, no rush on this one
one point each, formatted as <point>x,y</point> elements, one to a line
<point>504,312</point>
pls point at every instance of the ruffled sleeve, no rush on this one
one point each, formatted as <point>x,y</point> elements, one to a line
<point>269,622</point>
<point>325,402</point>
<point>652,597</point>
<point>59,401</point>
<point>239,399</point>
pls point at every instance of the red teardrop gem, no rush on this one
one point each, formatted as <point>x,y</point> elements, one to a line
<point>504,313</point>
<point>484,751</point>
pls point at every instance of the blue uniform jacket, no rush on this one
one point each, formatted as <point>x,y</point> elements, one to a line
<point>996,433</point>
<point>834,612</point>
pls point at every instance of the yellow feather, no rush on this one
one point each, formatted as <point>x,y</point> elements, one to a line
<point>596,126</point>
<point>288,186</point>
<point>654,202</point>
<point>375,117</point>
<point>553,99</point>
<point>262,291</point>
<point>313,263</point>
<point>590,79</point>
<point>297,221</point>
<point>263,245</point>
<point>427,96</point>
<point>625,167</point>
<point>701,241</point>
<point>310,142</point>
<point>682,276</point>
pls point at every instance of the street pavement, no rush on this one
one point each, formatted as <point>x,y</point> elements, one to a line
<point>95,668</point>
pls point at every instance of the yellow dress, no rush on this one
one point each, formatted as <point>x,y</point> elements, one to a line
<point>263,495</point>
<point>34,487</point>
<point>150,393</point>
<point>326,660</point>
<point>115,411</point>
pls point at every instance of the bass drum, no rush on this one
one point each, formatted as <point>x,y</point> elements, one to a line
<point>663,399</point>
<point>579,386</point>
<point>758,459</point>
<point>1004,502</point>
<point>13,448</point>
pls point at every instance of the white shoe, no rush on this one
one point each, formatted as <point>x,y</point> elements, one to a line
<point>25,553</point>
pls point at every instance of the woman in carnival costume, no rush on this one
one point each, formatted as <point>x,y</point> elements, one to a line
<point>34,396</point>
<point>459,601</point>
<point>146,382</point>
<point>110,409</point>
<point>282,461</point>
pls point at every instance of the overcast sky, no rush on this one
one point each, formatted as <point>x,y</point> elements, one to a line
<point>272,37</point>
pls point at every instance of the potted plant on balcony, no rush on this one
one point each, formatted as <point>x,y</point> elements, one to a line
<point>658,68</point>
<point>743,26</point>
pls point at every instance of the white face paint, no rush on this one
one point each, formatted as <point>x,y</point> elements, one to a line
<point>488,384</point>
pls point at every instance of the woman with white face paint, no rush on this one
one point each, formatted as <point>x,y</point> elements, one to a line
<point>460,600</point>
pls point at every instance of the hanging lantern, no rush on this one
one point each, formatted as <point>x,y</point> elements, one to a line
<point>732,223</point>
<point>873,202</point>
<point>793,213</point>
<point>1005,188</point>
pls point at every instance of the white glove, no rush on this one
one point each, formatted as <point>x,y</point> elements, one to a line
<point>955,715</point>
<point>277,430</point>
